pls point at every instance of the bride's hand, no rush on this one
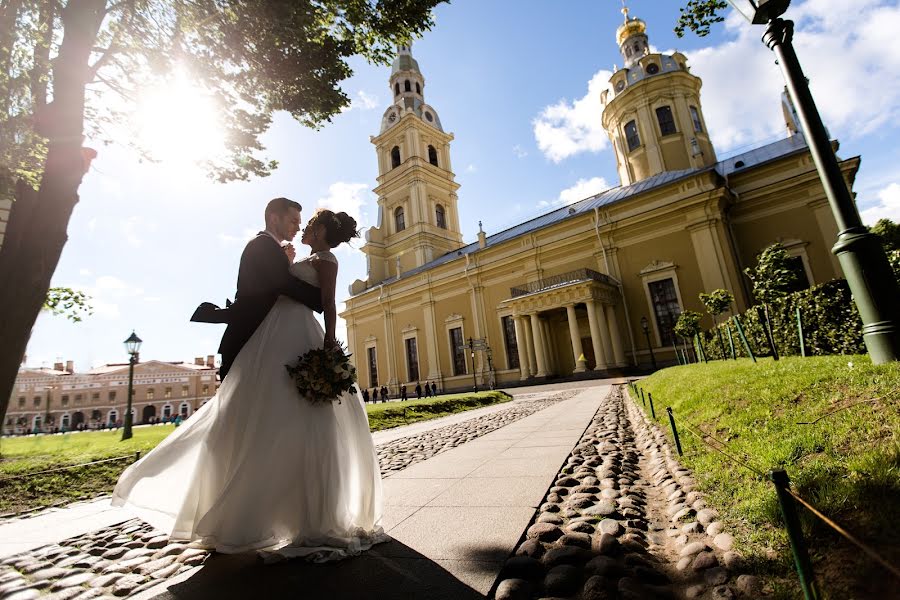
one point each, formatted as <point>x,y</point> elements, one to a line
<point>290,251</point>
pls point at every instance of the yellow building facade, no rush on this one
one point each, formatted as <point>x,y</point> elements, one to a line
<point>565,294</point>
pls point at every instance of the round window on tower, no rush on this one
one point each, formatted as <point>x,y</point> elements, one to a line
<point>652,69</point>
<point>620,85</point>
<point>428,117</point>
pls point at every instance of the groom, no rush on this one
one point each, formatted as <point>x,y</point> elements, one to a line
<point>263,276</point>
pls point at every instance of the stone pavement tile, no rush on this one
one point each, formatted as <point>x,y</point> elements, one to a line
<point>507,491</point>
<point>464,533</point>
<point>394,515</point>
<point>413,492</point>
<point>524,466</point>
<point>536,441</point>
<point>478,574</point>
<point>534,451</point>
<point>442,466</point>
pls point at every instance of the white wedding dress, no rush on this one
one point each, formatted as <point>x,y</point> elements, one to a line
<point>259,468</point>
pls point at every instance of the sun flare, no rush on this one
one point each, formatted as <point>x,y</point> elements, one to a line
<point>179,123</point>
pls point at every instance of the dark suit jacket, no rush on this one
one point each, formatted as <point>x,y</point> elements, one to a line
<point>262,277</point>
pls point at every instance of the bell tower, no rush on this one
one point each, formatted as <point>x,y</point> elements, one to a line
<point>653,113</point>
<point>418,219</point>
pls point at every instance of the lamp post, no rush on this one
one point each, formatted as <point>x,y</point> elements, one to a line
<point>860,253</point>
<point>132,346</point>
<point>645,325</point>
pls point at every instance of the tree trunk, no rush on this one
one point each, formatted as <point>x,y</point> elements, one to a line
<point>38,220</point>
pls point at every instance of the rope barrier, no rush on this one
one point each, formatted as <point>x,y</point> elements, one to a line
<point>93,462</point>
<point>872,554</point>
<point>837,410</point>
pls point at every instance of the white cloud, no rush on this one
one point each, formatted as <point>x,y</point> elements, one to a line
<point>350,198</point>
<point>583,188</point>
<point>888,206</point>
<point>107,293</point>
<point>362,101</point>
<point>85,272</point>
<point>847,51</point>
<point>244,237</point>
<point>519,151</point>
<point>471,168</point>
<point>565,129</point>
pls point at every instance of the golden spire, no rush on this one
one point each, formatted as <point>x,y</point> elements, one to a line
<point>625,10</point>
<point>630,27</point>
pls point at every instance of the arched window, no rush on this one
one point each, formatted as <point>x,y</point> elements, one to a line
<point>399,219</point>
<point>395,157</point>
<point>432,155</point>
<point>406,86</point>
<point>439,217</point>
<point>396,89</point>
<point>666,120</point>
<point>628,52</point>
<point>631,135</point>
<point>418,89</point>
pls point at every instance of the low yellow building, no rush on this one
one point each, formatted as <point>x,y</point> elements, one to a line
<point>47,399</point>
<point>566,293</point>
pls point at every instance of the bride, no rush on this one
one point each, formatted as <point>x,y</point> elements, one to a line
<point>259,468</point>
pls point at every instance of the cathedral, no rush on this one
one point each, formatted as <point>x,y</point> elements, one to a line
<point>585,290</point>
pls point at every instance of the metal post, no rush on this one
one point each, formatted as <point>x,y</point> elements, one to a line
<point>770,336</point>
<point>650,348</point>
<point>677,354</point>
<point>674,431</point>
<point>137,456</point>
<point>800,333</point>
<point>652,412</point>
<point>795,534</point>
<point>700,350</point>
<point>743,337</point>
<point>126,431</point>
<point>860,253</point>
<point>730,341</point>
<point>642,396</point>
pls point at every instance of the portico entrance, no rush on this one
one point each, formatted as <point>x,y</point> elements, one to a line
<point>557,319</point>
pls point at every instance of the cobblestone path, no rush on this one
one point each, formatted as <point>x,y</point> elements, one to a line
<point>623,521</point>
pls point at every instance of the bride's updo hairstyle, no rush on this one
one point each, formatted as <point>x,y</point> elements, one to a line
<point>339,227</point>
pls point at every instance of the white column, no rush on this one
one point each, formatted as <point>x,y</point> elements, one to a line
<point>596,340</point>
<point>538,346</point>
<point>529,343</point>
<point>549,354</point>
<point>577,350</point>
<point>521,345</point>
<point>604,336</point>
<point>616,337</point>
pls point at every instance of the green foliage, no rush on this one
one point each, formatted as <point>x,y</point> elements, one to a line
<point>894,260</point>
<point>252,57</point>
<point>393,414</point>
<point>772,277</point>
<point>688,324</point>
<point>717,302</point>
<point>845,463</point>
<point>831,325</point>
<point>74,304</point>
<point>699,15</point>
<point>889,232</point>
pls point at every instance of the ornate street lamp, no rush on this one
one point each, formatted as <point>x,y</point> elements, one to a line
<point>860,253</point>
<point>132,346</point>
<point>472,354</point>
<point>645,325</point>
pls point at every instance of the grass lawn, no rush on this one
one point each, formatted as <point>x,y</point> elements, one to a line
<point>846,463</point>
<point>21,455</point>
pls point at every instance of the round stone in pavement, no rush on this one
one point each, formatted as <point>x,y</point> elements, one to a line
<point>545,532</point>
<point>715,576</point>
<point>127,584</point>
<point>724,541</point>
<point>531,548</point>
<point>26,594</point>
<point>565,555</point>
<point>603,565</point>
<point>514,589</point>
<point>605,544</point>
<point>563,580</point>
<point>522,567</point>
<point>601,508</point>
<point>704,560</point>
<point>610,526</point>
<point>582,540</point>
<point>597,588</point>
<point>72,581</point>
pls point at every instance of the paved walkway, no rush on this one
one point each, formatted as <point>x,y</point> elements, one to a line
<point>453,518</point>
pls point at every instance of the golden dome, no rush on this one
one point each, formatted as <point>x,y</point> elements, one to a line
<point>629,28</point>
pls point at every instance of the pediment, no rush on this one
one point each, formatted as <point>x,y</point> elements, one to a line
<point>658,265</point>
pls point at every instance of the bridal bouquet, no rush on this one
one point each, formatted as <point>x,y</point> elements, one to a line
<point>323,374</point>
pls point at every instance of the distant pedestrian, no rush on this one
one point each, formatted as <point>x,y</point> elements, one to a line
<point>433,390</point>
<point>418,391</point>
<point>384,393</point>
<point>365,395</point>
<point>427,390</point>
<point>374,395</point>
<point>403,393</point>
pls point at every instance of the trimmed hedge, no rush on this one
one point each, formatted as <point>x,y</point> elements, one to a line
<point>831,325</point>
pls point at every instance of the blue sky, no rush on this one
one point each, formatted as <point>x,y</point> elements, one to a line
<point>518,83</point>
